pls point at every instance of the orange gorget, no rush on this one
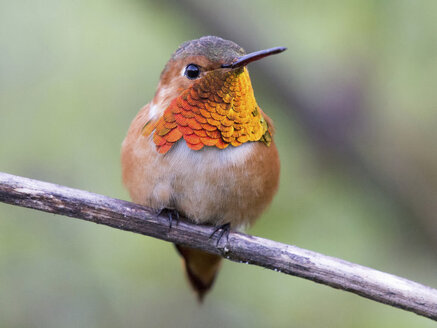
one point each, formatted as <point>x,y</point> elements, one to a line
<point>217,110</point>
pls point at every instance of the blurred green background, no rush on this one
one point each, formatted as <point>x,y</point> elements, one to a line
<point>354,100</point>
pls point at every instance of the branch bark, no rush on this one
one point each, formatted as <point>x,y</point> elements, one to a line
<point>375,285</point>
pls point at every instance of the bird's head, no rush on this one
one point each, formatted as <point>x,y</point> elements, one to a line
<point>206,97</point>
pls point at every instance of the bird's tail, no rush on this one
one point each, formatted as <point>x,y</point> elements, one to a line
<point>201,269</point>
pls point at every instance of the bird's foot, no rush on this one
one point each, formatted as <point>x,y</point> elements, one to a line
<point>171,214</point>
<point>224,229</point>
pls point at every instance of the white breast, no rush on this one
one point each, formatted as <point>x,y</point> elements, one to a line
<point>211,157</point>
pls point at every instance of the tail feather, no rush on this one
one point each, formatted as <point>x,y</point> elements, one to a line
<point>201,269</point>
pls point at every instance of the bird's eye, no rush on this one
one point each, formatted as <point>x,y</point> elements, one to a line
<point>192,71</point>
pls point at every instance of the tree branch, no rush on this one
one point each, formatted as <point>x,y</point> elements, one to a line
<point>375,285</point>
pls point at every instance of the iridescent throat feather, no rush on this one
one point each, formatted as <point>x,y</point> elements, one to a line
<point>217,110</point>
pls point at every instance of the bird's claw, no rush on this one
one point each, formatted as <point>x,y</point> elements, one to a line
<point>171,214</point>
<point>224,229</point>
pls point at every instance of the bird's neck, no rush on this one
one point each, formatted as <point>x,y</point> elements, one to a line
<point>217,110</point>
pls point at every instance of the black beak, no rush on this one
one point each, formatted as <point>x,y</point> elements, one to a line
<point>246,59</point>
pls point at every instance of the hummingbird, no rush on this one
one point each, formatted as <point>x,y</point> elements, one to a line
<point>203,148</point>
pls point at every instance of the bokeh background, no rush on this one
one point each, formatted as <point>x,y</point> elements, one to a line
<point>354,100</point>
